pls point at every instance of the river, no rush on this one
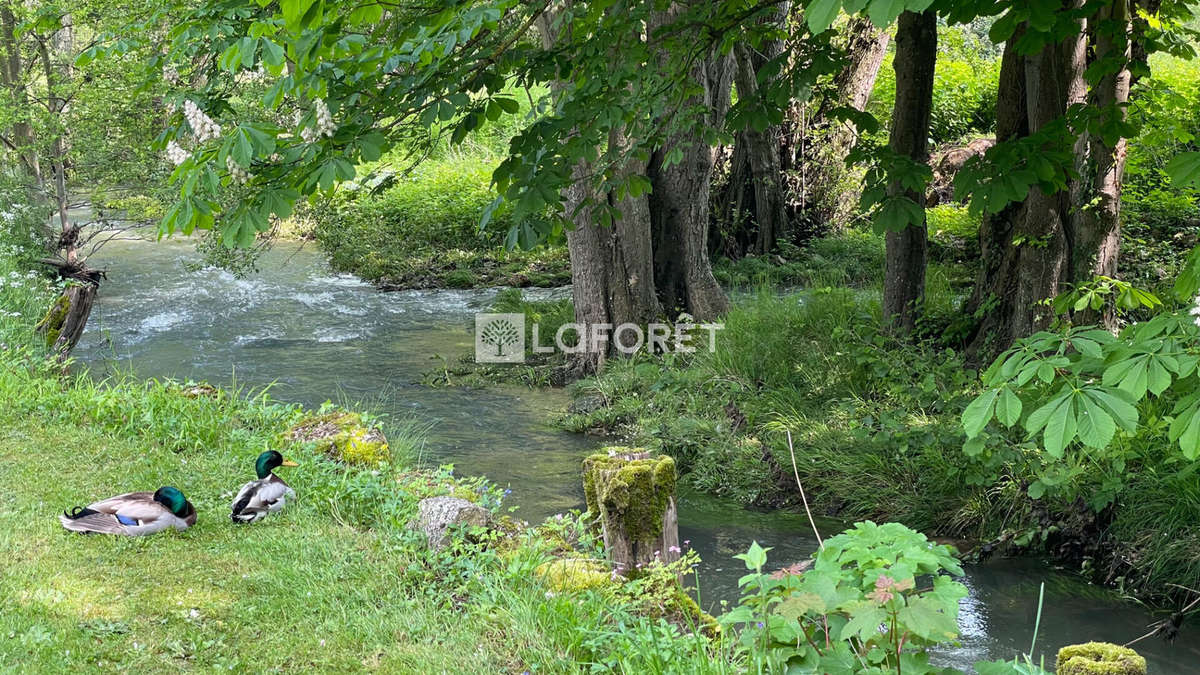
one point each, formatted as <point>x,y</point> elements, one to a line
<point>321,336</point>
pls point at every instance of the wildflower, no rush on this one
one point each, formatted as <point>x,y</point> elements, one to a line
<point>549,594</point>
<point>176,154</point>
<point>675,549</point>
<point>202,125</point>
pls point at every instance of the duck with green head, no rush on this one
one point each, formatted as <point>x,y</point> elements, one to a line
<point>133,514</point>
<point>266,495</point>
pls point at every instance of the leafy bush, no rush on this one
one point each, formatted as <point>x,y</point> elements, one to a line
<point>858,610</point>
<point>438,207</point>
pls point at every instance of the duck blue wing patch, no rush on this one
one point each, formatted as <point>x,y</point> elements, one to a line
<point>126,520</point>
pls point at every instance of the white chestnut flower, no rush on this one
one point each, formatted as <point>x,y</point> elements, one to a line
<point>176,154</point>
<point>1195,310</point>
<point>170,74</point>
<point>239,175</point>
<point>202,125</point>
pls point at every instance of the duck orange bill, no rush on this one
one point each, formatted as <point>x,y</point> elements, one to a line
<point>288,462</point>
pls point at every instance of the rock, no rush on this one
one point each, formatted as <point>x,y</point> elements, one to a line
<point>1099,658</point>
<point>342,436</point>
<point>586,405</point>
<point>435,516</point>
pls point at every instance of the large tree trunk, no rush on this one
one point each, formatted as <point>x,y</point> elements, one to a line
<point>612,269</point>
<point>1033,250</point>
<point>679,200</point>
<point>1024,248</point>
<point>1096,225</point>
<point>916,56</point>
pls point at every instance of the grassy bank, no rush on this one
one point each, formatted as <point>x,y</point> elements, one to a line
<point>337,582</point>
<point>877,432</point>
<point>422,231</point>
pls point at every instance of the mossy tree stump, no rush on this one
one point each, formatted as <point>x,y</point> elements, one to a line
<point>63,325</point>
<point>1099,658</point>
<point>632,497</point>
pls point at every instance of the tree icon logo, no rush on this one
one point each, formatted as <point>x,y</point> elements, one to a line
<point>499,338</point>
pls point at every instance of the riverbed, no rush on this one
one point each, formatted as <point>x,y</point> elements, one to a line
<point>313,336</point>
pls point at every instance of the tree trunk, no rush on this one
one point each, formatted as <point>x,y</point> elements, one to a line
<point>679,201</point>
<point>1025,248</point>
<point>612,272</point>
<point>1032,251</point>
<point>64,323</point>
<point>1096,226</point>
<point>823,195</point>
<point>756,187</point>
<point>916,56</point>
<point>632,497</point>
<point>13,79</point>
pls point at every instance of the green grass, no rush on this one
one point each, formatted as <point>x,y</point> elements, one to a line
<point>877,435</point>
<point>423,232</point>
<point>337,582</point>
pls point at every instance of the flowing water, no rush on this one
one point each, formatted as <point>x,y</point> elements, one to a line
<point>321,336</point>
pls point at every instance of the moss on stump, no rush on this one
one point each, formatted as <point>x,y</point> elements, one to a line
<point>342,436</point>
<point>632,496</point>
<point>1099,658</point>
<point>51,325</point>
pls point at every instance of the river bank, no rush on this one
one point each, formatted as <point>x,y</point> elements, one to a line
<point>312,333</point>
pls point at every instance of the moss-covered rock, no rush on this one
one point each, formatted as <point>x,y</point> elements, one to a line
<point>343,436</point>
<point>574,574</point>
<point>1099,658</point>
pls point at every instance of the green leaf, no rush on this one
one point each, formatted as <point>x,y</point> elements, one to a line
<point>1186,430</point>
<point>1061,428</point>
<point>1184,168</point>
<point>977,414</point>
<point>821,14</point>
<point>1096,427</point>
<point>1008,408</point>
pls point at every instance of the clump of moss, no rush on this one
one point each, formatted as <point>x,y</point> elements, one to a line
<point>574,574</point>
<point>1099,658</point>
<point>343,436</point>
<point>622,484</point>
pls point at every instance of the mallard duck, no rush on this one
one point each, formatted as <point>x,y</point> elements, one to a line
<point>266,495</point>
<point>133,514</point>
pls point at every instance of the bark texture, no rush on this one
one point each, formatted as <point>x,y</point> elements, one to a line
<point>916,55</point>
<point>679,200</point>
<point>612,267</point>
<point>1033,250</point>
<point>756,189</point>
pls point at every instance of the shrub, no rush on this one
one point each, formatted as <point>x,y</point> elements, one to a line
<point>828,619</point>
<point>438,207</point>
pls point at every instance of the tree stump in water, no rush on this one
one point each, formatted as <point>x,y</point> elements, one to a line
<point>63,325</point>
<point>632,497</point>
